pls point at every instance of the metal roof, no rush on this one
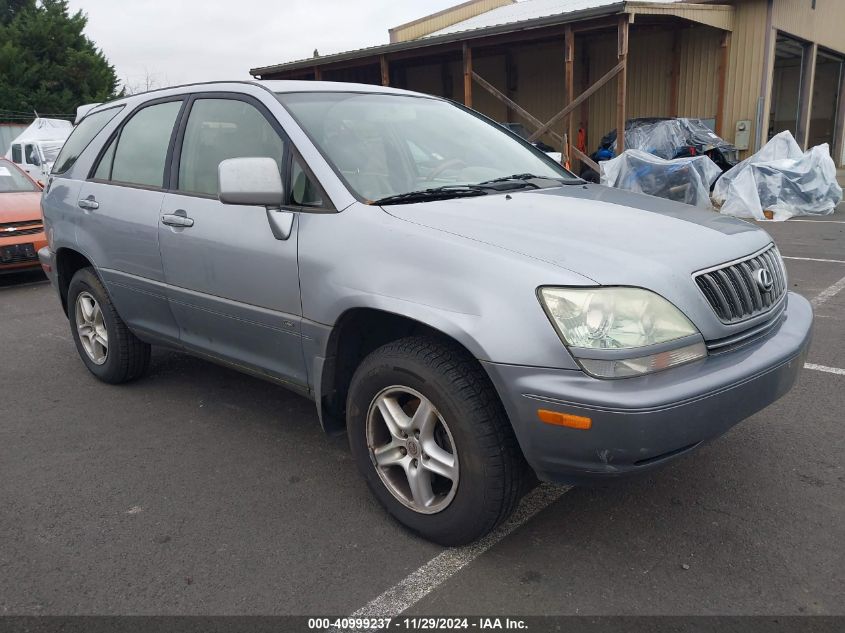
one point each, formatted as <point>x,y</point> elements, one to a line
<point>528,10</point>
<point>521,15</point>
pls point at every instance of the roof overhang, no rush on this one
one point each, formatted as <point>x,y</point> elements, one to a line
<point>715,15</point>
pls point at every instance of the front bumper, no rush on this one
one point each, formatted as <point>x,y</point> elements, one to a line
<point>19,254</point>
<point>638,423</point>
<point>47,259</point>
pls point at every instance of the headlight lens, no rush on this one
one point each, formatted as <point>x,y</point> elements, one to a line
<point>620,319</point>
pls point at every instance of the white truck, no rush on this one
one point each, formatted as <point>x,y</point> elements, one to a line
<point>36,148</point>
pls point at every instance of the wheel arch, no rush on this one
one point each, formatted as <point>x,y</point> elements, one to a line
<point>356,333</point>
<point>68,262</point>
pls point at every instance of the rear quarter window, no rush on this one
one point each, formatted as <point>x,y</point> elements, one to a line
<point>81,137</point>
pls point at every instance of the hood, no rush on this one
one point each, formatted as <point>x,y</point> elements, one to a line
<point>20,207</point>
<point>611,236</point>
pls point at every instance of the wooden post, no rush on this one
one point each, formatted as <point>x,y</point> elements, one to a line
<point>467,75</point>
<point>318,73</point>
<point>722,80</point>
<point>805,105</point>
<point>839,128</point>
<point>385,71</point>
<point>675,79</point>
<point>621,82</point>
<point>569,85</point>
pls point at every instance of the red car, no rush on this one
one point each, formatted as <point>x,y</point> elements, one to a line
<point>21,224</point>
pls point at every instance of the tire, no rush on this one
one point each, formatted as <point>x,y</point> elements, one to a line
<point>488,469</point>
<point>124,357</point>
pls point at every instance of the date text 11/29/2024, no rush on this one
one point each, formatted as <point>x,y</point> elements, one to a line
<point>415,624</point>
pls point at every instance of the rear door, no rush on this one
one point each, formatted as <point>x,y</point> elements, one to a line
<point>234,287</point>
<point>119,215</point>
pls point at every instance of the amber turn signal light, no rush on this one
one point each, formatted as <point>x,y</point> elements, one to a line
<point>564,419</point>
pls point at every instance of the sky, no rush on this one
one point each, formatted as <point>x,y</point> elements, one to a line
<point>156,43</point>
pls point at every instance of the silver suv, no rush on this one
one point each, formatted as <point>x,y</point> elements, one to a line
<point>469,311</point>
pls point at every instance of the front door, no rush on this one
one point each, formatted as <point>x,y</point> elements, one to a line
<point>234,287</point>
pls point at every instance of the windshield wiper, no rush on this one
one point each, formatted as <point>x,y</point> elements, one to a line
<point>435,193</point>
<point>525,178</point>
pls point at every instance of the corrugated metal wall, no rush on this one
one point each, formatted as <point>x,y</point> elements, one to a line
<point>8,133</point>
<point>745,66</point>
<point>824,25</point>
<point>698,89</point>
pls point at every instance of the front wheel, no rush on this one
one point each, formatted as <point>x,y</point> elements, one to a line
<point>431,438</point>
<point>109,350</point>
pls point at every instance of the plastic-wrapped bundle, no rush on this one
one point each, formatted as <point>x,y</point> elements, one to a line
<point>661,138</point>
<point>686,180</point>
<point>782,179</point>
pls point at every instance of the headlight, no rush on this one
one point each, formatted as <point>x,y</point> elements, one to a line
<point>600,324</point>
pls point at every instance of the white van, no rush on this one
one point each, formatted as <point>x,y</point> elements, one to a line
<point>36,148</point>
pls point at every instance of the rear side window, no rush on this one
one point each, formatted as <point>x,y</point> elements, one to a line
<point>219,129</point>
<point>142,146</point>
<point>81,137</point>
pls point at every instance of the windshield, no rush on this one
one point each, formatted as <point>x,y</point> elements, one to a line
<point>12,179</point>
<point>388,145</point>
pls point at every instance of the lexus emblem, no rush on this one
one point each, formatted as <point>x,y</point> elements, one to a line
<point>764,279</point>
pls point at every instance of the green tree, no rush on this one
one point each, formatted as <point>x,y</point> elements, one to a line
<point>47,63</point>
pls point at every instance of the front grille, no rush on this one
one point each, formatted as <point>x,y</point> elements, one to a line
<point>14,229</point>
<point>733,290</point>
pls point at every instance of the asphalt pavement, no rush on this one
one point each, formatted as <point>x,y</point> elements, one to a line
<point>198,490</point>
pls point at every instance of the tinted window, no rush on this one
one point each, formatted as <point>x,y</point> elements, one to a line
<point>219,129</point>
<point>104,168</point>
<point>17,155</point>
<point>304,191</point>
<point>142,146</point>
<point>81,136</point>
<point>12,179</point>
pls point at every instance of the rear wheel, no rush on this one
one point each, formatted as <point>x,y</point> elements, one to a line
<point>109,350</point>
<point>431,438</point>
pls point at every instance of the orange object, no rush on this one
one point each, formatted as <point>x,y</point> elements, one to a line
<point>21,224</point>
<point>564,419</point>
<point>582,140</point>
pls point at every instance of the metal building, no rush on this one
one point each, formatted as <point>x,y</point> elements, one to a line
<point>570,69</point>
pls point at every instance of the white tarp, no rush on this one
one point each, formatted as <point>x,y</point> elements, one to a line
<point>782,179</point>
<point>45,130</point>
<point>686,180</point>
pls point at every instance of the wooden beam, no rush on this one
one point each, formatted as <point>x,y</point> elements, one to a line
<point>385,70</point>
<point>721,83</point>
<point>467,75</point>
<point>513,105</point>
<point>675,78</point>
<point>578,101</point>
<point>586,159</point>
<point>569,87</point>
<point>805,104</point>
<point>621,83</point>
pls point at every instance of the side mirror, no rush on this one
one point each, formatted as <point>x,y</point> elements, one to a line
<point>250,181</point>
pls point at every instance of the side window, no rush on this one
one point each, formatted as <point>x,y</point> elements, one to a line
<point>142,145</point>
<point>103,171</point>
<point>81,137</point>
<point>17,155</point>
<point>219,129</point>
<point>303,190</point>
<point>31,155</point>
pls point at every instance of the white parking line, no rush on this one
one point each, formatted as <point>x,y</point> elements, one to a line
<point>828,293</point>
<point>828,370</point>
<point>423,581</point>
<point>813,259</point>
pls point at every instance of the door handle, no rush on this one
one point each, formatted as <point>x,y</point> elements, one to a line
<point>175,219</point>
<point>88,203</point>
